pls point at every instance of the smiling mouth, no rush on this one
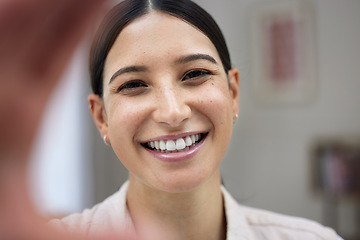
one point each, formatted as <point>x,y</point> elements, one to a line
<point>175,145</point>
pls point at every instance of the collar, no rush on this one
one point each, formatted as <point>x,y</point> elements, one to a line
<point>237,226</point>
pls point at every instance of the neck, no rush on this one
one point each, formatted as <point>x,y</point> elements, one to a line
<point>178,216</point>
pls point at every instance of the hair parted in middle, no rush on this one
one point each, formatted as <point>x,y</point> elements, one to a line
<point>129,10</point>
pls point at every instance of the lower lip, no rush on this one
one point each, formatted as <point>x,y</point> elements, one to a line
<point>177,156</point>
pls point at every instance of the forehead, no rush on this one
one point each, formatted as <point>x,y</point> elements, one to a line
<point>157,37</point>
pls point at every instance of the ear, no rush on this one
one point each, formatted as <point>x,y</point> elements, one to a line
<point>233,76</point>
<point>98,113</point>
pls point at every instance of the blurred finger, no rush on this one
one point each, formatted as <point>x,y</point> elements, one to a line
<point>38,40</point>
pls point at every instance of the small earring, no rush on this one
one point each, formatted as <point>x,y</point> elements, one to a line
<point>235,118</point>
<point>107,143</point>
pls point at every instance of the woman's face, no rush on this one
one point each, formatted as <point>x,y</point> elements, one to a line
<point>168,105</point>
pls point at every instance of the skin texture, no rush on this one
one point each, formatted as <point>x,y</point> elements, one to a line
<point>165,97</point>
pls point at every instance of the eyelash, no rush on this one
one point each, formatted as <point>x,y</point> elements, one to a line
<point>133,85</point>
<point>198,73</point>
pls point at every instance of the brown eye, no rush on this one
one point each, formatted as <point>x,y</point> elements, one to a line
<point>132,85</point>
<point>195,74</point>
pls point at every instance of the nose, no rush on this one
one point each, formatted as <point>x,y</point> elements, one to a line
<point>172,108</point>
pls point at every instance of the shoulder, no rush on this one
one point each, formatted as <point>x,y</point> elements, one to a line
<point>94,220</point>
<point>271,225</point>
<point>262,224</point>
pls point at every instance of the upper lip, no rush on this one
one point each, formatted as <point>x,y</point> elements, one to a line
<point>172,137</point>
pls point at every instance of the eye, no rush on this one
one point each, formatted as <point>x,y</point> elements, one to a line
<point>131,86</point>
<point>195,74</point>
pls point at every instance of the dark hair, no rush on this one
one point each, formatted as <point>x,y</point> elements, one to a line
<point>129,10</point>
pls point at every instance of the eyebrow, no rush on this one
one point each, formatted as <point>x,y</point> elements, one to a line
<point>182,60</point>
<point>195,57</point>
<point>127,70</point>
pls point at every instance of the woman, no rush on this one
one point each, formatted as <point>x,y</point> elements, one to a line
<point>165,98</point>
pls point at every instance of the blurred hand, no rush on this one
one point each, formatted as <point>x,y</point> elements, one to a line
<point>37,41</point>
<point>38,38</point>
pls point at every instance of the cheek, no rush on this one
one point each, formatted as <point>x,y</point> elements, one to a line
<point>215,101</point>
<point>124,118</point>
<point>217,107</point>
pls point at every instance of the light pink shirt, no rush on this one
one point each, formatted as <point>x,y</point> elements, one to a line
<point>242,222</point>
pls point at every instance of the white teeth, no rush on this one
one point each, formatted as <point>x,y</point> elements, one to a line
<point>170,145</point>
<point>162,145</point>
<point>193,138</point>
<point>188,141</point>
<point>181,144</point>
